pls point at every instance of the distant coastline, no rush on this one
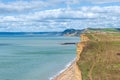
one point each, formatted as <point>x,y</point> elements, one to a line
<point>67,32</point>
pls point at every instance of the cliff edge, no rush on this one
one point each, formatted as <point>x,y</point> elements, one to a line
<point>98,58</point>
<point>73,71</point>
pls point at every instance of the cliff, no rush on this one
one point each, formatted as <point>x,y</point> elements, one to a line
<point>73,71</point>
<point>80,48</point>
<point>98,58</point>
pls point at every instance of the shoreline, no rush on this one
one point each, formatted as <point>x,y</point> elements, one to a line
<point>71,72</point>
<point>63,70</point>
<point>66,73</point>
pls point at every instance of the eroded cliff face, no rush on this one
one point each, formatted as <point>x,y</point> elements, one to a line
<point>80,47</point>
<point>73,72</point>
<point>84,38</point>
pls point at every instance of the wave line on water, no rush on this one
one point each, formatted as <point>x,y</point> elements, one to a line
<point>60,72</point>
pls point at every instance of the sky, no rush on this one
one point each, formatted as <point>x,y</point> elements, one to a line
<point>58,15</point>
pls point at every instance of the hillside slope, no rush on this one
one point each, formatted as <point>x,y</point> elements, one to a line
<point>100,58</point>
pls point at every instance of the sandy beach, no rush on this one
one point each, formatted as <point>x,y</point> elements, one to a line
<point>71,73</point>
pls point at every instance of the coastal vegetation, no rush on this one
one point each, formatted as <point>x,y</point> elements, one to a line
<point>100,58</point>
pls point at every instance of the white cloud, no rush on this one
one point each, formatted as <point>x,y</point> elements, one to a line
<point>25,6</point>
<point>60,19</point>
<point>21,6</point>
<point>33,5</point>
<point>103,1</point>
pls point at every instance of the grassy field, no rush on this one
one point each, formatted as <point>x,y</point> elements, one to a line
<point>103,29</point>
<point>100,59</point>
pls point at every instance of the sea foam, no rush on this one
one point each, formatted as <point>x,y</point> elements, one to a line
<point>60,72</point>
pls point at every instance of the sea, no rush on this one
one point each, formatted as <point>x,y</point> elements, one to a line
<point>34,57</point>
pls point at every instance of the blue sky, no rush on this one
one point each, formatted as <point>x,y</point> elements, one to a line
<point>57,15</point>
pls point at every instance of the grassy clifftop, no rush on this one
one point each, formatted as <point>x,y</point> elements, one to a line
<point>103,29</point>
<point>100,58</point>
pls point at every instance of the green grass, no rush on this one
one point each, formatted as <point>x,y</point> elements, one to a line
<point>109,29</point>
<point>99,58</point>
<point>116,34</point>
<point>104,30</point>
<point>118,65</point>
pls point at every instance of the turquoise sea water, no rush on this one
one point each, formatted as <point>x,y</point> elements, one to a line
<point>34,58</point>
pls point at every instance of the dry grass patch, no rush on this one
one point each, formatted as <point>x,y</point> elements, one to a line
<point>100,59</point>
